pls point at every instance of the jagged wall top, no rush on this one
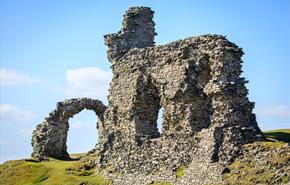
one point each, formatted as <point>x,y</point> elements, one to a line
<point>138,31</point>
<point>196,84</point>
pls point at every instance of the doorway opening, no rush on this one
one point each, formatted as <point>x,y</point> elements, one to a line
<point>82,135</point>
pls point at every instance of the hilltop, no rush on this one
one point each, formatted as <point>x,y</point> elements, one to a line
<point>260,163</point>
<point>196,82</point>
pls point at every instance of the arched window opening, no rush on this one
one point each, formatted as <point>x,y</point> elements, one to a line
<point>82,134</point>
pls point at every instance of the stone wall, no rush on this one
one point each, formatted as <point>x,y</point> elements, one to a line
<point>49,138</point>
<point>207,116</point>
<point>197,81</point>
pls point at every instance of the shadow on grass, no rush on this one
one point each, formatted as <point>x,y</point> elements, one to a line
<point>70,159</point>
<point>278,136</point>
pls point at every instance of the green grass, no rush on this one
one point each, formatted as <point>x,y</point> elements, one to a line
<point>180,171</point>
<point>53,172</point>
<point>82,172</point>
<point>278,135</point>
<point>248,170</point>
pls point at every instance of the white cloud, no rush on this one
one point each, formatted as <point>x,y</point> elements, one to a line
<point>273,111</point>
<point>88,82</point>
<point>12,77</point>
<point>11,113</point>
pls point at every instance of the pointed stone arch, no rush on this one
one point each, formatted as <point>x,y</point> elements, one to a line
<point>49,138</point>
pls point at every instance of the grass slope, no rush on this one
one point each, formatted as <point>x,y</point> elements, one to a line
<point>244,170</point>
<point>264,162</point>
<point>53,172</point>
<point>278,135</point>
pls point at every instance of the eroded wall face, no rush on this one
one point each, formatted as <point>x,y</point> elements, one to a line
<point>50,137</point>
<point>207,115</point>
<point>169,77</point>
<point>206,119</point>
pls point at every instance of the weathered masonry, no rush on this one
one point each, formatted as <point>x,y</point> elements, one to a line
<point>49,138</point>
<point>207,116</point>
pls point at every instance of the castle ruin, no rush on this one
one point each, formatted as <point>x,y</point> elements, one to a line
<point>196,81</point>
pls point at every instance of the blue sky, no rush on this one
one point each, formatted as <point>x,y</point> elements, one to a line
<point>54,49</point>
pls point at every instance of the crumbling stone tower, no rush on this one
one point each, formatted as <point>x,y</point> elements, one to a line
<point>196,81</point>
<point>207,116</point>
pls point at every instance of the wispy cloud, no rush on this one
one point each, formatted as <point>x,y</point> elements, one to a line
<point>273,111</point>
<point>11,113</point>
<point>12,77</point>
<point>87,82</point>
